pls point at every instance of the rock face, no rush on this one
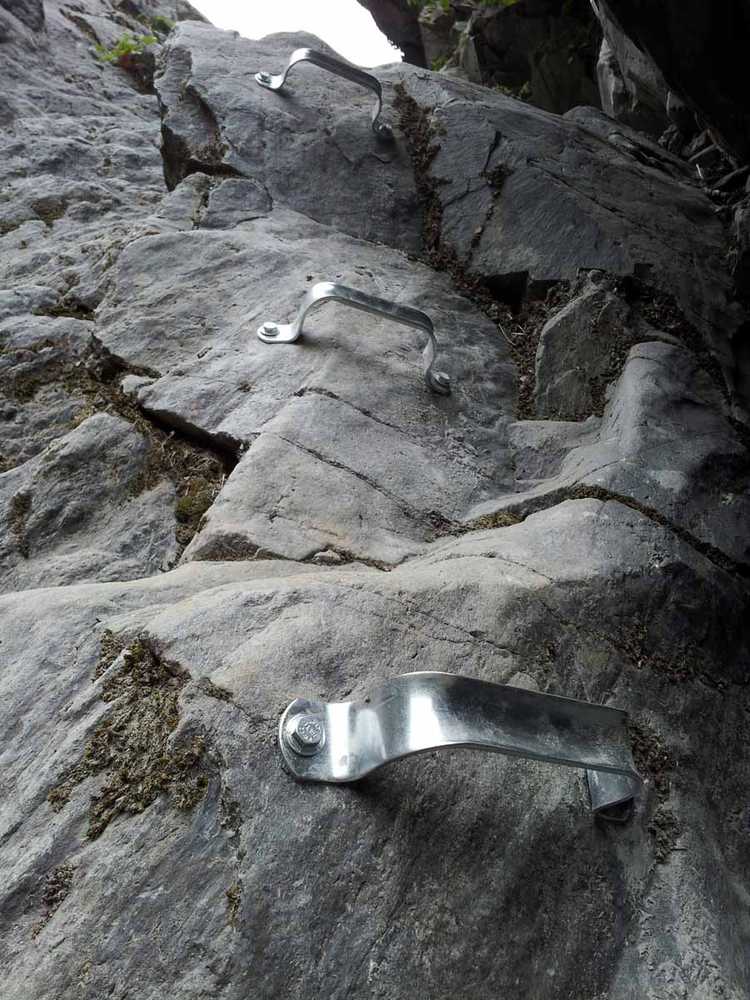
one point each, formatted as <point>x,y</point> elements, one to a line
<point>398,21</point>
<point>699,50</point>
<point>197,527</point>
<point>544,49</point>
<point>631,88</point>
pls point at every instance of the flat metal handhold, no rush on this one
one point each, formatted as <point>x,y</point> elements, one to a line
<point>340,68</point>
<point>323,291</point>
<point>417,712</point>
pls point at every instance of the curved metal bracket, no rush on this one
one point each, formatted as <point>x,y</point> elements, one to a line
<point>276,81</point>
<point>414,713</point>
<point>280,333</point>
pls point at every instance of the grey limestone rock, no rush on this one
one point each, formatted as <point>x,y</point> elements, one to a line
<point>35,406</point>
<point>217,119</point>
<point>581,350</point>
<point>540,446</point>
<point>85,509</point>
<point>668,444</point>
<point>520,197</point>
<point>344,410</point>
<point>197,527</point>
<point>528,198</point>
<point>277,887</point>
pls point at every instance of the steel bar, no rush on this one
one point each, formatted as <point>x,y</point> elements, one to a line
<point>276,81</point>
<point>323,291</point>
<point>418,712</point>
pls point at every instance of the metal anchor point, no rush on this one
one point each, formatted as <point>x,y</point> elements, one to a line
<point>419,712</point>
<point>286,333</point>
<point>305,734</point>
<point>276,81</point>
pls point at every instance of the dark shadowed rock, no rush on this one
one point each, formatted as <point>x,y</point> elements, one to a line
<point>699,49</point>
<point>399,22</point>
<point>631,88</point>
<point>544,49</point>
<point>29,12</point>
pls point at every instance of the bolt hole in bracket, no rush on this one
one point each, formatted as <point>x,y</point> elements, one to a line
<point>276,81</point>
<point>287,333</point>
<point>414,713</point>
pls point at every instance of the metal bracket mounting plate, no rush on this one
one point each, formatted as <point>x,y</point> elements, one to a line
<point>271,332</point>
<point>273,81</point>
<point>417,712</point>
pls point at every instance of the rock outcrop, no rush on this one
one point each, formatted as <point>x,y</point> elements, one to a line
<point>197,527</point>
<point>699,50</point>
<point>399,22</point>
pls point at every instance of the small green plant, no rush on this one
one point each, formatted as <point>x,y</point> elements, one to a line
<point>430,4</point>
<point>161,25</point>
<point>125,46</point>
<point>446,4</point>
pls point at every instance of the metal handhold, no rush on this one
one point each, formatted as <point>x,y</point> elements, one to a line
<point>276,81</point>
<point>414,713</point>
<point>287,333</point>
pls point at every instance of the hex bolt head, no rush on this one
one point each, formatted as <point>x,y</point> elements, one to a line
<point>305,734</point>
<point>440,382</point>
<point>263,77</point>
<point>270,329</point>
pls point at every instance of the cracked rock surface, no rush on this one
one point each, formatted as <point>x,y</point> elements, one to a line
<point>197,527</point>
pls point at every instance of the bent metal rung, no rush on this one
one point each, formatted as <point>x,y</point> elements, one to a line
<point>276,81</point>
<point>418,712</point>
<point>323,291</point>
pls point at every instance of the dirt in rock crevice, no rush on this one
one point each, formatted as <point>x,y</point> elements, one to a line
<point>518,311</point>
<point>131,746</point>
<point>197,468</point>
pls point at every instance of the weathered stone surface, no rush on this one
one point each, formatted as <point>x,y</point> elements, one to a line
<point>522,198</point>
<point>528,197</point>
<point>495,604</point>
<point>667,444</point>
<point>30,13</point>
<point>84,509</point>
<point>217,119</point>
<point>305,411</point>
<point>581,350</point>
<point>35,406</point>
<point>541,446</point>
<point>150,840</point>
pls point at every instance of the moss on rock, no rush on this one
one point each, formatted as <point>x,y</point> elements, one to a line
<point>131,745</point>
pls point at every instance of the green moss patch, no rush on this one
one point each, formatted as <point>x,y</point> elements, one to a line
<point>130,746</point>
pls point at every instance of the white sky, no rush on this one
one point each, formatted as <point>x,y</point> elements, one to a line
<point>347,27</point>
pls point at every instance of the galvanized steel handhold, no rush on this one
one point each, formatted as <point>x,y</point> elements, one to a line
<point>417,712</point>
<point>278,333</point>
<point>276,81</point>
